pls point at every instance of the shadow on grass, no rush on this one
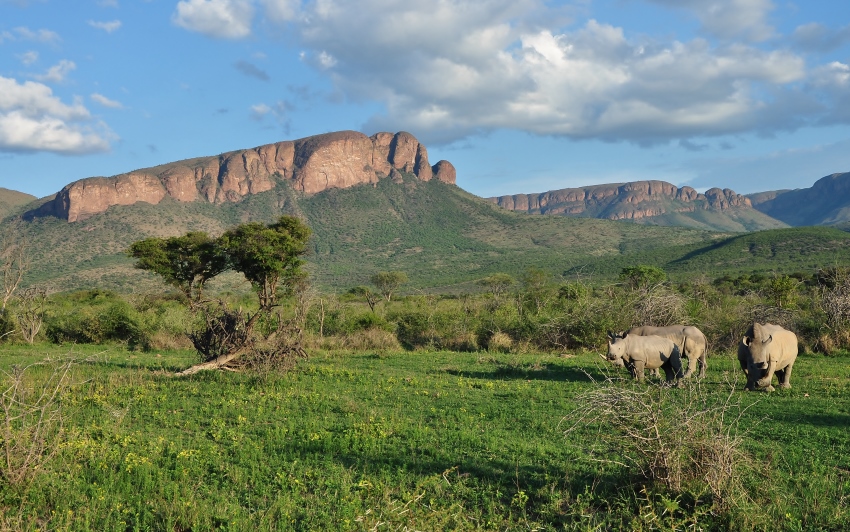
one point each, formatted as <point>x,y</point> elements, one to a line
<point>815,420</point>
<point>542,372</point>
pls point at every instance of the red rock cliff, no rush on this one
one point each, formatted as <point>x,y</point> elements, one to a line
<point>618,201</point>
<point>313,164</point>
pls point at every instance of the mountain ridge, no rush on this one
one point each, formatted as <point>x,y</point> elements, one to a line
<point>651,201</point>
<point>312,164</point>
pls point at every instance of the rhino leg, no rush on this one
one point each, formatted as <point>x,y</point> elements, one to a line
<point>692,366</point>
<point>655,373</point>
<point>639,367</point>
<point>703,365</point>
<point>784,377</point>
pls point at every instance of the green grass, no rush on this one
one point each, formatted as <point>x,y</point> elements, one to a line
<point>423,440</point>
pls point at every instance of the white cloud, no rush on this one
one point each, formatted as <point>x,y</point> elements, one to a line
<point>43,36</point>
<point>28,58</point>
<point>106,102</point>
<point>729,19</point>
<point>226,19</point>
<point>451,68</point>
<point>108,27</point>
<point>58,72</point>
<point>282,10</point>
<point>33,119</point>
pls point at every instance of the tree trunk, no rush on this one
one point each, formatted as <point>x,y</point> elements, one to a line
<point>216,363</point>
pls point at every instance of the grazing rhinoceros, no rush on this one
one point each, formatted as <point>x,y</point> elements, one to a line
<point>766,349</point>
<point>691,342</point>
<point>638,353</point>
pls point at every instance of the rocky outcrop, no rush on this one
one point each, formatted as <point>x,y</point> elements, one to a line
<point>311,165</point>
<point>624,201</point>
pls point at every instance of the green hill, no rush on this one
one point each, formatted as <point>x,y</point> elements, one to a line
<point>442,237</point>
<point>11,201</point>
<point>799,249</point>
<point>437,233</point>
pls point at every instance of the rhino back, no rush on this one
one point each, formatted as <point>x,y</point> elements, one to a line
<point>650,349</point>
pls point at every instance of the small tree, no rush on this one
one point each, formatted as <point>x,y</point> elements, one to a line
<point>268,256</point>
<point>187,262</point>
<point>31,306</point>
<point>14,262</point>
<point>781,290</point>
<point>367,293</point>
<point>497,284</point>
<point>388,282</point>
<point>642,276</point>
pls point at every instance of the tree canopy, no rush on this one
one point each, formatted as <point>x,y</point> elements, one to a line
<point>187,262</point>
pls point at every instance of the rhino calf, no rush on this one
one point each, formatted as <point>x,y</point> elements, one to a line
<point>639,353</point>
<point>691,342</point>
<point>764,350</point>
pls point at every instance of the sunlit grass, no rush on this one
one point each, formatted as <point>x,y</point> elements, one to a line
<point>423,440</point>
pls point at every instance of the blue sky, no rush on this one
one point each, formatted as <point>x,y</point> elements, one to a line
<point>521,95</point>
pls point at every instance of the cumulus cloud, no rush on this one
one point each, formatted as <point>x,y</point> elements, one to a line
<point>33,119</point>
<point>108,27</point>
<point>58,72</point>
<point>451,69</point>
<point>225,19</point>
<point>251,70</point>
<point>729,19</point>
<point>106,102</point>
<point>448,69</point>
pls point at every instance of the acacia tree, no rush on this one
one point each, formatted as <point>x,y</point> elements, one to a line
<point>186,262</point>
<point>267,255</point>
<point>388,282</point>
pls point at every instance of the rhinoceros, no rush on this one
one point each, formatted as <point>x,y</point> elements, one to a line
<point>638,353</point>
<point>766,349</point>
<point>691,342</point>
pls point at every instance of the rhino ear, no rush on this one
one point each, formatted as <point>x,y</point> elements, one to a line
<point>610,335</point>
<point>768,340</point>
<point>747,341</point>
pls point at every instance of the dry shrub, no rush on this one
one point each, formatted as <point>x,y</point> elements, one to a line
<point>658,306</point>
<point>32,417</point>
<point>370,339</point>
<point>165,340</point>
<point>679,439</point>
<point>462,342</point>
<point>499,342</point>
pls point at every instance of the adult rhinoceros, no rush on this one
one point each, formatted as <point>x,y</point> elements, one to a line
<point>691,342</point>
<point>766,349</point>
<point>638,353</point>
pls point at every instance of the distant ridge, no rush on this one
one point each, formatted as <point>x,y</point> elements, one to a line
<point>648,202</point>
<point>313,164</point>
<point>12,200</point>
<point>826,202</point>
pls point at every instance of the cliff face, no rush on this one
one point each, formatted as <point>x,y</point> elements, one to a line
<point>313,164</point>
<point>624,201</point>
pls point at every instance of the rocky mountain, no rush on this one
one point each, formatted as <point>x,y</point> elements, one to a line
<point>648,202</point>
<point>310,165</point>
<point>12,200</point>
<point>827,202</point>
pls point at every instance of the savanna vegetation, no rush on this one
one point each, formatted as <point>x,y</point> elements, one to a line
<point>484,408</point>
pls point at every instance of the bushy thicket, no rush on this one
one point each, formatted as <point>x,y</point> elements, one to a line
<point>536,313</point>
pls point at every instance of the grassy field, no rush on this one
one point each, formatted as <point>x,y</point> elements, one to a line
<point>407,441</point>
